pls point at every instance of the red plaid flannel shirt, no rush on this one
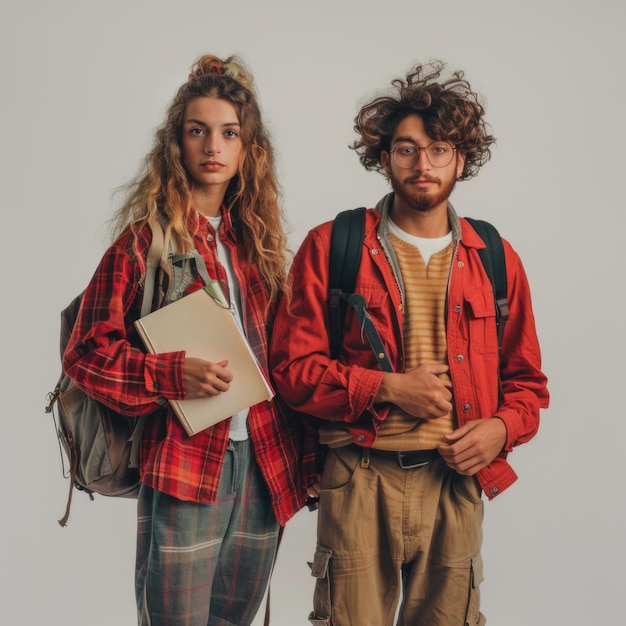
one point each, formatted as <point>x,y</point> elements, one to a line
<point>106,359</point>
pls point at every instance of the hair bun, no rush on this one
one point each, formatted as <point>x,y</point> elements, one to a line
<point>231,67</point>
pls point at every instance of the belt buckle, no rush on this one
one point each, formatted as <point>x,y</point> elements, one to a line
<point>401,456</point>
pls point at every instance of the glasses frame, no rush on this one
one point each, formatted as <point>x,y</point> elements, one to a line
<point>419,151</point>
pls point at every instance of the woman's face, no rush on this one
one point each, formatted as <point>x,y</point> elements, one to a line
<point>211,143</point>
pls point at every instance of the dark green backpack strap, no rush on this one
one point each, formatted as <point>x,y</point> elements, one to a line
<point>494,263</point>
<point>345,257</point>
<point>346,246</point>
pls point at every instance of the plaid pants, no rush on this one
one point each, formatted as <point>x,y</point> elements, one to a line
<point>206,564</point>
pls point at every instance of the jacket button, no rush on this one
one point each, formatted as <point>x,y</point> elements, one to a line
<point>460,357</point>
<point>493,491</point>
<point>374,251</point>
<point>467,407</point>
<point>461,264</point>
<point>361,438</point>
<point>457,308</point>
<point>209,238</point>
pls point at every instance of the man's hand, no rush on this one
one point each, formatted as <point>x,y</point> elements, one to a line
<point>474,445</point>
<point>204,378</point>
<point>422,392</point>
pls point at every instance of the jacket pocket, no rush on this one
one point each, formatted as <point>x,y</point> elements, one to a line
<point>375,295</point>
<point>483,334</point>
<point>321,597</point>
<point>355,341</point>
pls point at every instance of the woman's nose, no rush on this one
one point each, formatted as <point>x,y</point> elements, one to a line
<point>211,145</point>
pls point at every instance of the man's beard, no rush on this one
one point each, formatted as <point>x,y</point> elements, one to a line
<point>417,199</point>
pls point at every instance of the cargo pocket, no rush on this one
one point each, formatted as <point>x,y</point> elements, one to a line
<point>321,597</point>
<point>474,617</point>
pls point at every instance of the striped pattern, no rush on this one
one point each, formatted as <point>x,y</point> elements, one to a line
<point>424,339</point>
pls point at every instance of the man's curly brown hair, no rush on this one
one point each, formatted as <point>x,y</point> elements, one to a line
<point>449,108</point>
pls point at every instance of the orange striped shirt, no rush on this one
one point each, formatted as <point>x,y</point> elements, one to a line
<point>424,342</point>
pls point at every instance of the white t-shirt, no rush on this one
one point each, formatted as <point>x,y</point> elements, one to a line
<point>239,421</point>
<point>427,247</point>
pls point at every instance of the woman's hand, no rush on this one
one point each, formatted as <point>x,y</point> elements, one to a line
<point>204,378</point>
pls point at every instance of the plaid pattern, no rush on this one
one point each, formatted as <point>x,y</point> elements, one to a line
<point>105,358</point>
<point>200,564</point>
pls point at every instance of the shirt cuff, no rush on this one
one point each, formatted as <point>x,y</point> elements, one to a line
<point>164,374</point>
<point>366,390</point>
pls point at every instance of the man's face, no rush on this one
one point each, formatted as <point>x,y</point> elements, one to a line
<point>423,186</point>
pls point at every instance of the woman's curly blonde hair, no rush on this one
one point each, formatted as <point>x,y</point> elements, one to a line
<point>449,108</point>
<point>163,186</point>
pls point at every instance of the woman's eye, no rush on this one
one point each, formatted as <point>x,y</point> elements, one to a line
<point>231,133</point>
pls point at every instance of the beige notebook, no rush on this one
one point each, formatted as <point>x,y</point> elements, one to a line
<point>206,328</point>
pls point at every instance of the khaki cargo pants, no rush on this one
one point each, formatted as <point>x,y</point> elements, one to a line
<point>383,529</point>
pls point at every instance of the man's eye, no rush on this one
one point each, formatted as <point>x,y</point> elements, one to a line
<point>440,148</point>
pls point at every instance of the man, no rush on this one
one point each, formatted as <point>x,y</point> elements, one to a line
<point>411,451</point>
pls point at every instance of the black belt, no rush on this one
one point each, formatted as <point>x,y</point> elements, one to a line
<point>406,459</point>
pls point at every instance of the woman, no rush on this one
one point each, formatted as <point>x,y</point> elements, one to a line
<point>210,506</point>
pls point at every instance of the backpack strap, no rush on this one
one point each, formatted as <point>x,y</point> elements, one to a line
<point>493,261</point>
<point>162,250</point>
<point>346,246</point>
<point>346,243</point>
<point>153,261</point>
<point>345,257</point>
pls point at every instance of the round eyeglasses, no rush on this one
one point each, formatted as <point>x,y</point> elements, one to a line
<point>438,153</point>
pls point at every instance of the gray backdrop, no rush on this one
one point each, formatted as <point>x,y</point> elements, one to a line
<point>84,85</point>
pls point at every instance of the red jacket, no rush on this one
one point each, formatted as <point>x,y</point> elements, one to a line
<point>344,389</point>
<point>105,358</point>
